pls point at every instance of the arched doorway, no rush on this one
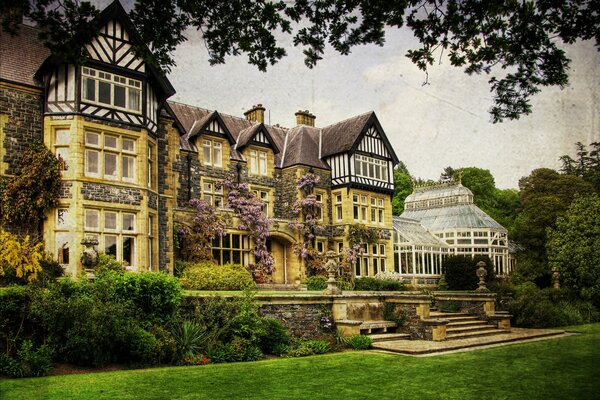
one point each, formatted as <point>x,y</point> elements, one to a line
<point>286,262</point>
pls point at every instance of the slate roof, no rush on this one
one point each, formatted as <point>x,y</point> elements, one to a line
<point>414,233</point>
<point>298,145</point>
<point>21,56</point>
<point>341,136</point>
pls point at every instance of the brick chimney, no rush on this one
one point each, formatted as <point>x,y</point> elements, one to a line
<point>256,113</point>
<point>305,118</point>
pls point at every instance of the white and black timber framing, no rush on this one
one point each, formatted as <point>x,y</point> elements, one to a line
<point>371,143</point>
<point>110,51</point>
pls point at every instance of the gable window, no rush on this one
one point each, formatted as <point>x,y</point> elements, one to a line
<point>372,168</point>
<point>110,89</point>
<point>212,152</point>
<point>258,162</point>
<point>110,156</point>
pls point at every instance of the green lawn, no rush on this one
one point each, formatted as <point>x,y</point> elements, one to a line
<point>567,368</point>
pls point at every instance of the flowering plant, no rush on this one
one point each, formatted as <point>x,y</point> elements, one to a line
<point>326,323</point>
<point>195,359</point>
<point>250,212</point>
<point>194,242</point>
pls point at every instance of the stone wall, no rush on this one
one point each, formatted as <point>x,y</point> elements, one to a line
<point>25,121</point>
<point>286,194</point>
<point>111,193</point>
<point>303,320</point>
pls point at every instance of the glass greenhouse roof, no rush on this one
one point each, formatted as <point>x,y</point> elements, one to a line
<point>458,216</point>
<point>411,231</point>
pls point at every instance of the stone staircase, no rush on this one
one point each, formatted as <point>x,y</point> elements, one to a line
<point>463,326</point>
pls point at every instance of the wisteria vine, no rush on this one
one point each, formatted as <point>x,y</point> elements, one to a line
<point>253,219</point>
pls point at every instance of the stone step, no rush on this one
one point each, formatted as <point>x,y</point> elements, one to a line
<point>470,328</point>
<point>457,324</point>
<point>384,337</point>
<point>448,315</point>
<point>466,335</point>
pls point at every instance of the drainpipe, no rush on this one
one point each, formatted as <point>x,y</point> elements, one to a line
<point>189,177</point>
<point>285,272</point>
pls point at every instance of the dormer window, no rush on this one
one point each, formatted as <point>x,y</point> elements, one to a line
<point>110,89</point>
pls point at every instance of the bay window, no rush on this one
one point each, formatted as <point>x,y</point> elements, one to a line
<point>115,231</point>
<point>110,156</point>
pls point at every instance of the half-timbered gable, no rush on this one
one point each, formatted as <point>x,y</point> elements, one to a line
<point>114,84</point>
<point>359,154</point>
<point>256,135</point>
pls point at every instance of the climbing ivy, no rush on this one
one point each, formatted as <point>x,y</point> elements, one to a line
<point>34,190</point>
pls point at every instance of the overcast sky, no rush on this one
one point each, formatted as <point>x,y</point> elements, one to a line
<point>443,123</point>
<point>431,127</point>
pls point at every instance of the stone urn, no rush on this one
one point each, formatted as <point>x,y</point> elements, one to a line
<point>89,256</point>
<point>332,267</point>
<point>481,274</point>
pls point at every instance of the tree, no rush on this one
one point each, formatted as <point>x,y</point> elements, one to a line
<point>574,248</point>
<point>544,195</point>
<point>515,42</point>
<point>586,165</point>
<point>402,188</point>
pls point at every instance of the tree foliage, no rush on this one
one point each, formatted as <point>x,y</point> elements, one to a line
<point>403,187</point>
<point>20,258</point>
<point>544,195</point>
<point>515,42</point>
<point>586,165</point>
<point>574,248</point>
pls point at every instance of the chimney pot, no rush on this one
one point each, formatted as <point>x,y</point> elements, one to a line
<point>305,118</point>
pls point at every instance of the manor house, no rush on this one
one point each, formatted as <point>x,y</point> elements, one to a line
<point>132,159</point>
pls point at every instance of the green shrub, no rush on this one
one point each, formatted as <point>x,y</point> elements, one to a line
<point>28,362</point>
<point>156,296</point>
<point>442,284</point>
<point>191,338</point>
<point>143,347</point>
<point>533,307</point>
<point>223,353</point>
<point>460,272</point>
<point>209,276</point>
<point>449,306</point>
<point>280,349</point>
<point>14,310</point>
<point>391,313</point>
<point>275,336</point>
<point>309,347</point>
<point>108,263</point>
<point>316,283</point>
<point>180,266</point>
<point>360,342</point>
<point>166,345</point>
<point>51,270</point>
<point>377,285</point>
